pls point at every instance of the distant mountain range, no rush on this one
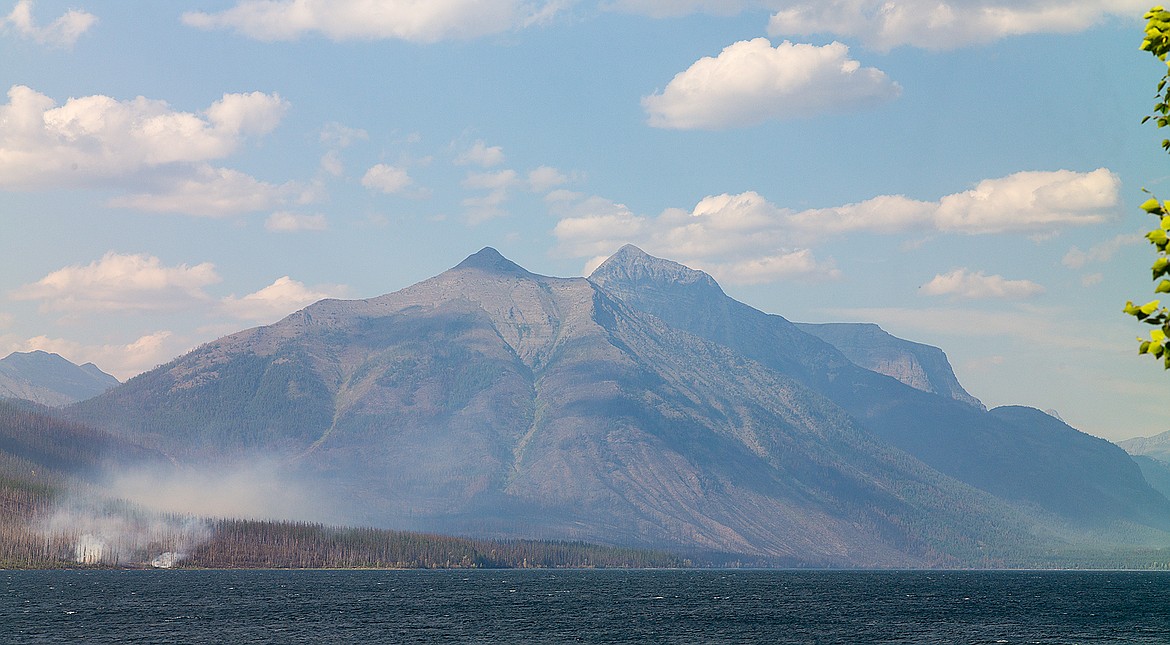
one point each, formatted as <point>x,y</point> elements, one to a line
<point>640,406</point>
<point>50,379</point>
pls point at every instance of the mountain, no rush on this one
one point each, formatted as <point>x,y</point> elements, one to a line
<point>1157,446</point>
<point>1015,453</point>
<point>50,379</point>
<point>641,406</point>
<point>1156,471</point>
<point>920,366</point>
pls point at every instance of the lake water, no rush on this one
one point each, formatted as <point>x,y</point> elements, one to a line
<point>691,606</point>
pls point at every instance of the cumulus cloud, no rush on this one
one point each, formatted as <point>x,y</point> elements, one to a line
<point>122,282</point>
<point>1021,202</point>
<point>212,192</point>
<point>490,180</point>
<point>1103,252</point>
<point>287,222</point>
<point>411,20</point>
<point>93,138</point>
<point>962,283</point>
<point>276,301</point>
<point>751,82</point>
<point>738,239</point>
<point>674,8</point>
<point>386,179</point>
<point>940,24</point>
<point>487,206</point>
<point>339,135</point>
<point>121,361</point>
<point>545,178</point>
<point>62,32</point>
<point>745,238</point>
<point>481,154</point>
<point>801,263</point>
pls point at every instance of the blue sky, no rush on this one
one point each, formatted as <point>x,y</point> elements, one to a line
<point>965,173</point>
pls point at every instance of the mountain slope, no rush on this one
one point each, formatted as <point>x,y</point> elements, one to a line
<point>1011,453</point>
<point>50,379</point>
<point>920,366</point>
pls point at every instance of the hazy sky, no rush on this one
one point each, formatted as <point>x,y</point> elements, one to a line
<point>965,173</point>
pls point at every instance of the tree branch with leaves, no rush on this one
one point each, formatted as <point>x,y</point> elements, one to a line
<point>1157,42</point>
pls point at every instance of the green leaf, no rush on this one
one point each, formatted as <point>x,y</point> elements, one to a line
<point>1151,205</point>
<point>1150,307</point>
<point>1161,267</point>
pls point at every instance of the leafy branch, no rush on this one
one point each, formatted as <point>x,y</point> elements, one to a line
<point>1157,42</point>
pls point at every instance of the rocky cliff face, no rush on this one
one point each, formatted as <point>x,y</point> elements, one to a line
<point>491,401</point>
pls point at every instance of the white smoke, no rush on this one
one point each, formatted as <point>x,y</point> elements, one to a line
<point>104,532</point>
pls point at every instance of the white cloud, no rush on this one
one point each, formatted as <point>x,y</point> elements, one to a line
<point>212,192</point>
<point>746,238</point>
<point>545,178</point>
<point>674,8</point>
<point>413,20</point>
<point>1103,252</point>
<point>121,361</point>
<point>486,206</point>
<point>480,154</point>
<point>962,283</point>
<point>1022,202</point>
<point>276,301</point>
<point>93,138</point>
<point>1030,201</point>
<point>735,238</point>
<point>331,163</point>
<point>784,266</point>
<point>342,136</point>
<point>387,179</point>
<point>490,180</point>
<point>285,221</point>
<point>593,226</point>
<point>941,24</point>
<point>62,32</point>
<point>121,282</point>
<point>751,82</point>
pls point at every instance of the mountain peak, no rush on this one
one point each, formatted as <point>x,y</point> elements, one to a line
<point>490,260</point>
<point>634,265</point>
<point>50,379</point>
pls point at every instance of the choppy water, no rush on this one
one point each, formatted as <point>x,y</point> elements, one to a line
<point>355,607</point>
